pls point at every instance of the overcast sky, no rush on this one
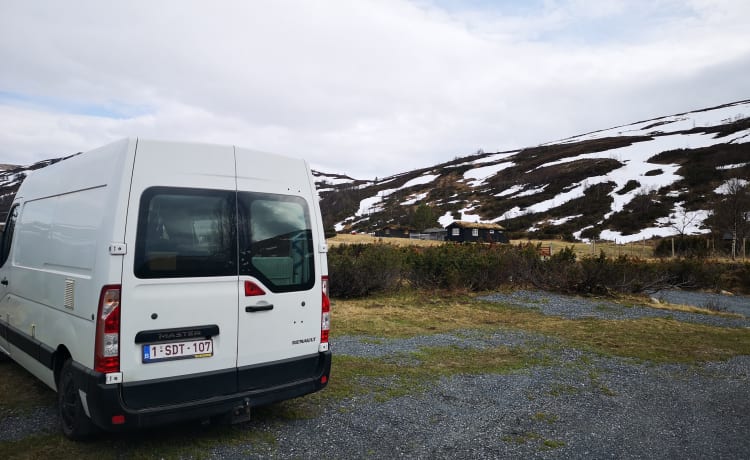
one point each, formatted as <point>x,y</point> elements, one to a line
<point>366,88</point>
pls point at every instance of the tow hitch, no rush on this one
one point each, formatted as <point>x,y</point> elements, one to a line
<point>241,413</point>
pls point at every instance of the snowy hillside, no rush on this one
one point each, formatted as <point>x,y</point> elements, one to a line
<point>593,185</point>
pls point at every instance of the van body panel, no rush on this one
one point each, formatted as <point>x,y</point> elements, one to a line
<point>185,231</point>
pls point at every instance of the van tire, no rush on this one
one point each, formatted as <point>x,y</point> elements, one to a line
<point>75,424</point>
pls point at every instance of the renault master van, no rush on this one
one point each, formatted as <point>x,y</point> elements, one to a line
<point>149,282</point>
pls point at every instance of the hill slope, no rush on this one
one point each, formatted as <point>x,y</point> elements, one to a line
<point>651,178</point>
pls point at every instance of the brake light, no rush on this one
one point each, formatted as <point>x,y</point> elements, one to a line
<point>325,319</point>
<point>107,354</point>
<point>252,289</point>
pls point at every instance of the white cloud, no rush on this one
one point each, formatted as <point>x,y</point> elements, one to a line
<point>368,88</point>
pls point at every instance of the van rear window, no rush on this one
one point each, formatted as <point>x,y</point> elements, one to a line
<point>186,233</point>
<point>199,233</point>
<point>276,241</point>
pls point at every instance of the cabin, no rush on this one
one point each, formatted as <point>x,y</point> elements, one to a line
<point>475,232</point>
<point>394,231</point>
<point>435,234</point>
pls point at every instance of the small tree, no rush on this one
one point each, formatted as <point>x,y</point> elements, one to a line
<point>732,212</point>
<point>424,217</point>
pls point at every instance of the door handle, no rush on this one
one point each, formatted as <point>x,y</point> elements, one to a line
<point>255,308</point>
<point>4,282</point>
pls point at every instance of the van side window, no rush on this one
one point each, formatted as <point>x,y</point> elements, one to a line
<point>186,233</point>
<point>276,241</point>
<point>7,240</point>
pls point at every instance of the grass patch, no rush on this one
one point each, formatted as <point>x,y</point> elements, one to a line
<point>399,375</point>
<point>662,305</point>
<point>411,313</point>
<point>553,444</point>
<point>527,437</point>
<point>558,390</point>
<point>189,440</point>
<point>521,438</point>
<point>33,393</point>
<point>651,339</point>
<point>546,418</point>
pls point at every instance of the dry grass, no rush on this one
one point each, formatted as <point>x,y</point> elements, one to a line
<point>661,340</point>
<point>362,238</point>
<point>640,250</point>
<point>581,249</point>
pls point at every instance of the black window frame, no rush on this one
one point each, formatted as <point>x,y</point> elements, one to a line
<point>8,231</point>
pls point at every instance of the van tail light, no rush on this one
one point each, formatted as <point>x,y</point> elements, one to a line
<point>107,355</point>
<point>325,319</point>
<point>252,289</point>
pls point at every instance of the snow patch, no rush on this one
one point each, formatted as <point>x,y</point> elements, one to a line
<point>734,166</point>
<point>418,197</point>
<point>477,176</point>
<point>724,189</point>
<point>511,190</point>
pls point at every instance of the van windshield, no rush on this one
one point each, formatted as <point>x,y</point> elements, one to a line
<point>199,233</point>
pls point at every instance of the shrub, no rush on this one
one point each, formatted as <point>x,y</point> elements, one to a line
<point>358,270</point>
<point>460,266</point>
<point>685,246</point>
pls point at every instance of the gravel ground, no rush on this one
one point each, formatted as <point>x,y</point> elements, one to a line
<point>588,407</point>
<point>39,421</point>
<point>584,406</point>
<point>580,307</point>
<point>731,303</point>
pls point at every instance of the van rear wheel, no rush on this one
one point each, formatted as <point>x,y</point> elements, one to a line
<point>75,424</point>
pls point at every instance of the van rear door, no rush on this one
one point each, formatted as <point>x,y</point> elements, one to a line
<point>180,276</point>
<point>280,290</point>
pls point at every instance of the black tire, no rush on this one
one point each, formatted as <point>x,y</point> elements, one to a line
<point>73,420</point>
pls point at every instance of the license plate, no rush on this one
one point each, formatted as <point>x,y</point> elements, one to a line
<point>178,350</point>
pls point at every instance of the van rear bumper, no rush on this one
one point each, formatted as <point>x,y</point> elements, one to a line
<point>105,402</point>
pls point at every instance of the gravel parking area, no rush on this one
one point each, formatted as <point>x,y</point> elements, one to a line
<point>588,407</point>
<point>582,406</point>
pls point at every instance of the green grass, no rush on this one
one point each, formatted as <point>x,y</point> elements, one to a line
<point>553,444</point>
<point>398,375</point>
<point>544,417</point>
<point>34,393</point>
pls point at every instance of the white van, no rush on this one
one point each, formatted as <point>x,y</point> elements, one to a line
<point>149,282</point>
